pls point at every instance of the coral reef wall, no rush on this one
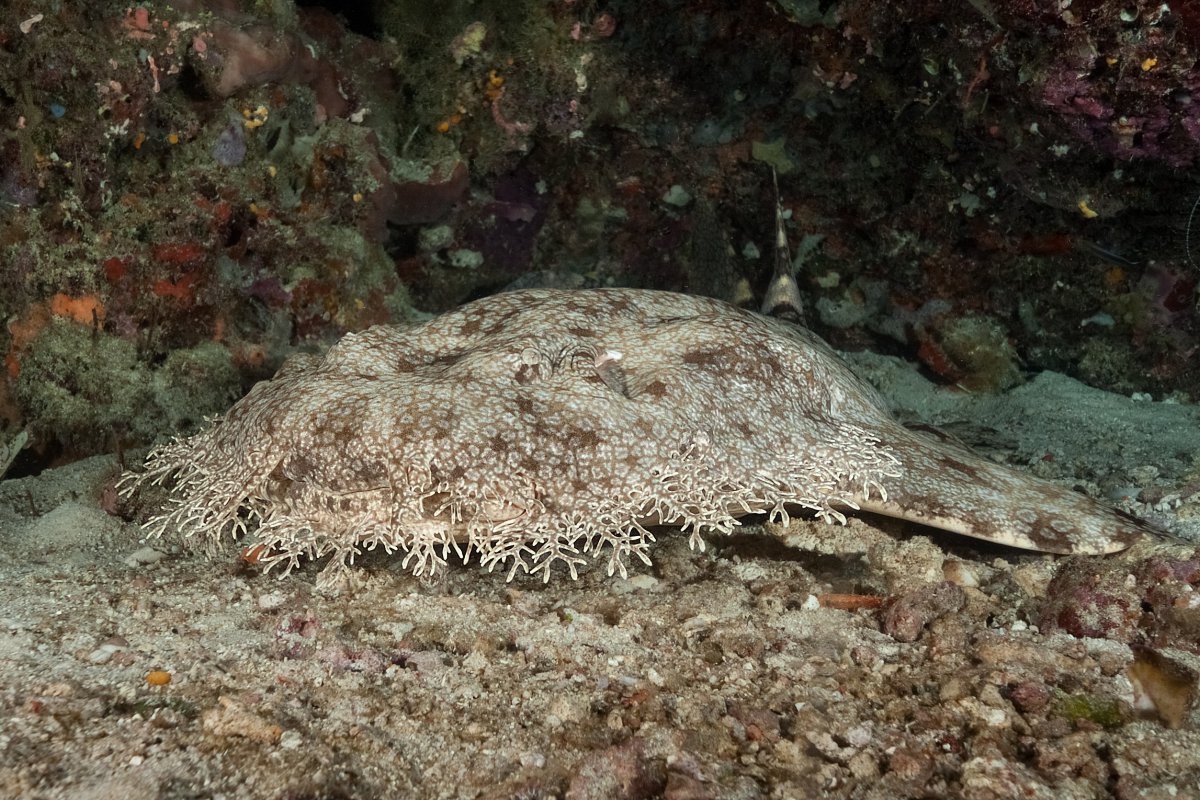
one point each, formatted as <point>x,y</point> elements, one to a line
<point>190,190</point>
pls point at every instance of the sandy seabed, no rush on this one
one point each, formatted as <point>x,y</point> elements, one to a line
<point>876,660</point>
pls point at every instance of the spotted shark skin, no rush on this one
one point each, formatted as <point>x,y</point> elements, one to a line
<point>550,427</point>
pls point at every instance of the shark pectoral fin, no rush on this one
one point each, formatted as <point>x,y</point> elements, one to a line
<point>1050,533</point>
<point>948,487</point>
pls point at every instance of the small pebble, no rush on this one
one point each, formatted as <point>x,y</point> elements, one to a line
<point>271,600</point>
<point>144,556</point>
<point>677,196</point>
<point>158,677</point>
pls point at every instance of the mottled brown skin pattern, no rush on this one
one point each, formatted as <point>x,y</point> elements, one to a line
<point>546,426</point>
